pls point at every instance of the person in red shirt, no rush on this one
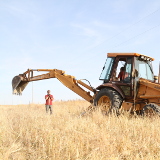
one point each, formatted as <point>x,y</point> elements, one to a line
<point>121,74</point>
<point>49,98</point>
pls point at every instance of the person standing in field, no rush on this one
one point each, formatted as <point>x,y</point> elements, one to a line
<point>49,98</point>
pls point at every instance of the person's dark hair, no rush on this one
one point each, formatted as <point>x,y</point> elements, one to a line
<point>123,68</point>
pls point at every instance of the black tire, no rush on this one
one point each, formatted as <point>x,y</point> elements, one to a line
<point>108,100</point>
<point>151,109</point>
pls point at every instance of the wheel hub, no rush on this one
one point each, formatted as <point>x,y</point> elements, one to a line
<point>104,103</point>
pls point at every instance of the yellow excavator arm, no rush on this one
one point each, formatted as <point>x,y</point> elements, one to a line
<point>20,82</point>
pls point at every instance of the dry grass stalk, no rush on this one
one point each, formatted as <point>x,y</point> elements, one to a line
<point>27,132</point>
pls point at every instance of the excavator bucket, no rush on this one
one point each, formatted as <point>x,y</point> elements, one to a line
<point>18,85</point>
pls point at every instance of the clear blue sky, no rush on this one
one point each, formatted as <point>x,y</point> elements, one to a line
<point>71,35</point>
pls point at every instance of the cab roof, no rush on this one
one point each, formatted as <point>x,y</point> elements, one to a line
<point>128,54</point>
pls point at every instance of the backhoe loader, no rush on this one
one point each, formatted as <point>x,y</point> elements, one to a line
<point>128,83</point>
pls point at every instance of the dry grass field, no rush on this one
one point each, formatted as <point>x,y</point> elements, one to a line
<point>28,133</point>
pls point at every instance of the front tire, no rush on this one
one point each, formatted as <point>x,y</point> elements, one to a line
<point>151,109</point>
<point>108,100</point>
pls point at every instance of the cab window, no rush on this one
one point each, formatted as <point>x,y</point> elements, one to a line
<point>123,71</point>
<point>106,72</point>
<point>144,69</point>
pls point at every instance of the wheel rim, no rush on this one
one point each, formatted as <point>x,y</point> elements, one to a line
<point>105,103</point>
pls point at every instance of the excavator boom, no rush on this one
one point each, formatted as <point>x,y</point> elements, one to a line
<point>20,82</point>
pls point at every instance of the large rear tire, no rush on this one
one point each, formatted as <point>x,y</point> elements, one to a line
<point>151,109</point>
<point>108,100</point>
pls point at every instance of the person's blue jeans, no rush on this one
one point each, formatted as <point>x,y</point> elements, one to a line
<point>49,107</point>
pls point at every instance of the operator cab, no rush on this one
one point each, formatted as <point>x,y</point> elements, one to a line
<point>117,68</point>
<point>120,66</point>
<point>120,69</point>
